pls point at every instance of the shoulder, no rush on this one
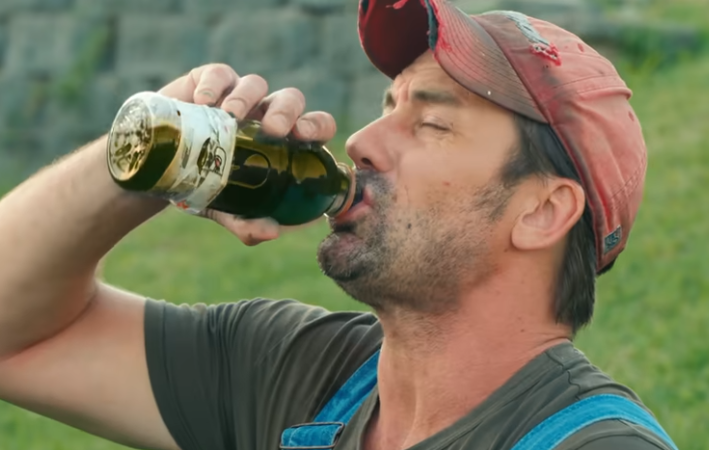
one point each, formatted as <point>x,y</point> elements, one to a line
<point>255,315</point>
<point>585,380</point>
<point>266,330</point>
<point>614,435</point>
<point>582,379</point>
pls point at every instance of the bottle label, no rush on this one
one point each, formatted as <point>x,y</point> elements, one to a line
<point>204,156</point>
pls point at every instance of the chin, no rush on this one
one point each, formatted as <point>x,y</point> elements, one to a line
<point>342,256</point>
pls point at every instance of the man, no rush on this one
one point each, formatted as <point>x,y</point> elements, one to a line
<point>504,174</point>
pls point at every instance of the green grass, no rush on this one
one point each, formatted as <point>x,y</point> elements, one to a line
<point>652,312</point>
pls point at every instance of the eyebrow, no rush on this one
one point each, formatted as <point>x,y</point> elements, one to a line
<point>425,96</point>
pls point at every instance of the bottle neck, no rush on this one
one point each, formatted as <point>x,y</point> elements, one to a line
<point>345,197</point>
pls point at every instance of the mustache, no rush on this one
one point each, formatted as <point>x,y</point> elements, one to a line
<point>374,181</point>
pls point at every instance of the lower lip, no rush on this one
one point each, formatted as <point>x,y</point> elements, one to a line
<point>355,213</point>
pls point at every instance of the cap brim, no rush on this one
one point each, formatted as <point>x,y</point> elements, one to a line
<point>394,33</point>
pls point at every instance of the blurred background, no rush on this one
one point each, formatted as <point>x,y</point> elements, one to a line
<point>67,65</point>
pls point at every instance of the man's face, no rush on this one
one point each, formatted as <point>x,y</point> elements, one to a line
<point>432,219</point>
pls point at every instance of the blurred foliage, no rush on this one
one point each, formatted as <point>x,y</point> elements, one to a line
<point>656,33</point>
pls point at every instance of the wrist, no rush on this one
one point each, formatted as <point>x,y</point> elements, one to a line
<point>98,178</point>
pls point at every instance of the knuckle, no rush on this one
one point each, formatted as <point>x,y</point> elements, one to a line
<point>235,102</point>
<point>195,74</point>
<point>310,122</point>
<point>249,91</point>
<point>289,102</point>
<point>281,120</point>
<point>221,70</point>
<point>286,111</point>
<point>257,82</point>
<point>323,122</point>
<point>324,118</point>
<point>279,105</point>
<point>196,71</point>
<point>294,93</point>
<point>331,124</point>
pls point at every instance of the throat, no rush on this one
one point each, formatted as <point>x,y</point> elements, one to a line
<point>421,395</point>
<point>389,433</point>
<point>436,369</point>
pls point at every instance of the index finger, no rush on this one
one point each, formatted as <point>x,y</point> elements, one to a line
<point>214,83</point>
<point>184,88</point>
<point>279,111</point>
<point>316,126</point>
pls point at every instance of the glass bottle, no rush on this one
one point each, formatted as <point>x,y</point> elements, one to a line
<point>200,157</point>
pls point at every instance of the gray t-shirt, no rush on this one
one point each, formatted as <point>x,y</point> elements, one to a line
<point>235,376</point>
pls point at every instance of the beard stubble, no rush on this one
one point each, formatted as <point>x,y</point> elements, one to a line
<point>419,260</point>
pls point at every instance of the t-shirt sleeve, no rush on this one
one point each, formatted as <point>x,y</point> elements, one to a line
<point>233,376</point>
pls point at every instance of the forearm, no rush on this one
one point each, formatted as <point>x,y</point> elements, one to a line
<point>54,230</point>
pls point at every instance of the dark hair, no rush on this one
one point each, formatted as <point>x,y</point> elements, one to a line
<point>540,153</point>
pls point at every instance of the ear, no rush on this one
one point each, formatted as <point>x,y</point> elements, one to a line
<point>549,215</point>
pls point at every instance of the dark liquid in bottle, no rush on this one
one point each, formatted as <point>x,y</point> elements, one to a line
<point>140,151</point>
<point>144,171</point>
<point>292,182</point>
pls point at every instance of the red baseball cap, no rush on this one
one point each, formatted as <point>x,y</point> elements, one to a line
<point>540,71</point>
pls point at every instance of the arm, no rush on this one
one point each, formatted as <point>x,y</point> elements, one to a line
<point>73,348</point>
<point>70,347</point>
<point>54,229</point>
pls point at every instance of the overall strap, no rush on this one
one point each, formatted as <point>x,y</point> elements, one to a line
<point>555,429</point>
<point>323,432</point>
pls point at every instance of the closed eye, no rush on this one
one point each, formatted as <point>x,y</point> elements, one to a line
<point>434,126</point>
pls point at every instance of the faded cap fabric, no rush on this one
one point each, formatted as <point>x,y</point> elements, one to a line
<point>540,71</point>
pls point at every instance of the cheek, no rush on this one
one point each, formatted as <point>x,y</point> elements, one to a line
<point>435,182</point>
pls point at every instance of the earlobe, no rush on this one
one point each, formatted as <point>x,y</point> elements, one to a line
<point>550,215</point>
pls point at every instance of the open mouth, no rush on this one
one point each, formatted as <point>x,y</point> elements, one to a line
<point>346,226</point>
<point>360,204</point>
<point>359,194</point>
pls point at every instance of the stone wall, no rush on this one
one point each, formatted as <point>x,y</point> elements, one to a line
<point>67,65</point>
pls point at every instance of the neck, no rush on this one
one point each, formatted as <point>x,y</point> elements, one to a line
<point>433,370</point>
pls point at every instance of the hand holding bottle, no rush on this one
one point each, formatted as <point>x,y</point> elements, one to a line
<point>281,113</point>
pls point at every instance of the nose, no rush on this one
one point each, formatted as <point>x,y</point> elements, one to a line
<point>371,147</point>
